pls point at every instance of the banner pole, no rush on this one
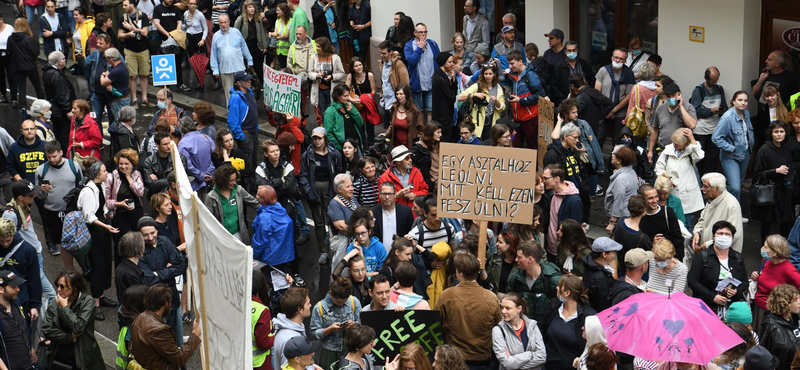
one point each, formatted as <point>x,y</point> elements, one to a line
<point>482,243</point>
<point>198,249</point>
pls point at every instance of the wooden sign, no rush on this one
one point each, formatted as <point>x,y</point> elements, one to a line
<point>546,123</point>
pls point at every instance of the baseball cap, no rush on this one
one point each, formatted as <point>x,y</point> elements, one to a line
<point>294,1</point>
<point>10,278</point>
<point>300,346</point>
<point>400,153</point>
<point>319,131</point>
<point>759,358</point>
<point>507,28</point>
<point>24,187</point>
<point>605,244</point>
<point>242,76</point>
<point>637,257</point>
<point>557,33</point>
<point>672,88</point>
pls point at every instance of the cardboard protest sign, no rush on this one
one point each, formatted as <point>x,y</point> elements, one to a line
<point>547,120</point>
<point>220,275</point>
<point>394,330</point>
<point>282,91</point>
<point>486,183</point>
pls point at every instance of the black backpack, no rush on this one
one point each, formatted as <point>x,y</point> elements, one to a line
<point>72,199</point>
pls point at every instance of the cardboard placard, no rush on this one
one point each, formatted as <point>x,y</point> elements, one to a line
<point>547,120</point>
<point>394,330</point>
<point>486,183</point>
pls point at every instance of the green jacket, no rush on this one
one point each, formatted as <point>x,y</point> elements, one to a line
<point>334,124</point>
<point>78,318</point>
<point>543,289</point>
<point>494,267</point>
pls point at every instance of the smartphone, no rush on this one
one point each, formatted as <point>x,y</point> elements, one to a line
<point>45,182</point>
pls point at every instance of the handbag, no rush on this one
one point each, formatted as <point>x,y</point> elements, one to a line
<point>763,194</point>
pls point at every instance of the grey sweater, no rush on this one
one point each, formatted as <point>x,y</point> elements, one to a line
<point>62,179</point>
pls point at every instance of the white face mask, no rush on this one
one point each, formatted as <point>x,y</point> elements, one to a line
<point>723,242</point>
<point>616,65</point>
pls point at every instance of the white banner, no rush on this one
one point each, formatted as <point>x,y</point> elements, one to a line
<point>222,289</point>
<point>282,91</point>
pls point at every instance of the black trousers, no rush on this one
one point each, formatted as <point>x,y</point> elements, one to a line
<point>258,60</point>
<point>709,162</point>
<point>192,48</point>
<point>52,223</point>
<point>7,72</point>
<point>32,75</point>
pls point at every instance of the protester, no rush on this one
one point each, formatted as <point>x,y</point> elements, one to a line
<point>92,203</point>
<point>24,49</point>
<point>426,152</point>
<point>777,331</point>
<point>444,90</point>
<point>60,179</point>
<point>408,180</point>
<point>706,274</point>
<point>275,172</point>
<point>772,165</point>
<point>356,268</point>
<point>85,137</point>
<point>362,84</point>
<point>125,137</point>
<point>296,307</point>
<point>197,149</point>
<point>255,37</point>
<point>628,231</point>
<point>572,65</point>
<point>412,356</point>
<point>243,121</point>
<point>224,151</point>
<point>40,111</point>
<point>460,44</point>
<point>317,172</point>
<point>598,276</point>
<point>69,325</point>
<point>501,136</point>
<point>643,92</point>
<point>261,322</point>
<point>421,54</point>
<point>366,187</point>
<point>623,184</point>
<point>359,343</point>
<point>563,322</point>
<point>166,110</point>
<point>331,318</point>
<point>283,21</point>
<point>167,222</point>
<point>273,233</point>
<point>722,206</point>
<point>407,274</point>
<point>124,191</point>
<point>227,201</point>
<point>615,81</point>
<point>152,342</point>
<point>565,204</point>
<point>664,187</point>
<point>487,99</point>
<point>679,161</point>
<point>661,221</point>
<point>229,52</point>
<point>735,146</point>
<point>366,245</point>
<point>405,123</point>
<point>342,120</point>
<point>735,357</point>
<point>774,270</point>
<point>460,304</point>
<point>573,246</point>
<point>128,273</point>
<point>543,275</point>
<point>60,93</point>
<point>516,341</point>
<point>526,89</point>
<point>23,262</point>
<point>590,153</point>
<point>668,274</point>
<point>157,165</point>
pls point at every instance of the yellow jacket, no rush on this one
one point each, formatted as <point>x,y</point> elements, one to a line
<point>86,30</point>
<point>442,251</point>
<point>479,115</point>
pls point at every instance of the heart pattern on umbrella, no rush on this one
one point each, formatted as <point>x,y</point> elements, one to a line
<point>673,327</point>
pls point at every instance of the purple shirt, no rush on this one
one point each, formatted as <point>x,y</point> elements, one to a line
<point>197,149</point>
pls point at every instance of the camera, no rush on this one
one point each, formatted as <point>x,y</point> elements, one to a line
<point>138,35</point>
<point>480,102</point>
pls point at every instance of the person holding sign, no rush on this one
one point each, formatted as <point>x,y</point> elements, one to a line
<point>407,179</point>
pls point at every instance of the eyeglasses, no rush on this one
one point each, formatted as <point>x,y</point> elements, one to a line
<point>363,233</point>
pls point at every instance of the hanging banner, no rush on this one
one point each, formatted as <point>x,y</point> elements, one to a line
<point>394,330</point>
<point>282,91</point>
<point>221,278</point>
<point>547,121</point>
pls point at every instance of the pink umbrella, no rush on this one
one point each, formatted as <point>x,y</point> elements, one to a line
<point>674,328</point>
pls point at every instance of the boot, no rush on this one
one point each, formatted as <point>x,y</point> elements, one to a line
<point>217,85</point>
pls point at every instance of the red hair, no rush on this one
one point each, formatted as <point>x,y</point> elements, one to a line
<point>267,193</point>
<point>512,238</point>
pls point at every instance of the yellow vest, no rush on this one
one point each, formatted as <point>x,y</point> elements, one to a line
<point>259,355</point>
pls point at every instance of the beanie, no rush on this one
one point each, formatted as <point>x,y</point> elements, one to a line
<point>739,312</point>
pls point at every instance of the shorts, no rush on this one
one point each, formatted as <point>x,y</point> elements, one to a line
<point>423,100</point>
<point>138,63</point>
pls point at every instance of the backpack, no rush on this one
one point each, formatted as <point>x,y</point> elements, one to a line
<point>71,167</point>
<point>635,120</point>
<point>421,231</point>
<point>75,234</point>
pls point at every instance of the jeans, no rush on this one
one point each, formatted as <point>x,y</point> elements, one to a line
<point>101,103</point>
<point>29,13</point>
<point>175,321</point>
<point>324,98</point>
<point>735,171</point>
<point>300,215</point>
<point>116,106</point>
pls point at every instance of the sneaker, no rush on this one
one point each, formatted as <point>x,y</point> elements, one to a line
<point>745,220</point>
<point>298,281</point>
<point>302,239</point>
<point>106,142</point>
<point>185,88</point>
<point>599,191</point>
<point>585,227</point>
<point>323,259</point>
<point>188,317</point>
<point>54,250</point>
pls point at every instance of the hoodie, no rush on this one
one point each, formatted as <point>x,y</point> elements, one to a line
<point>564,205</point>
<point>25,263</point>
<point>285,330</point>
<point>374,254</point>
<point>24,50</point>
<point>24,159</point>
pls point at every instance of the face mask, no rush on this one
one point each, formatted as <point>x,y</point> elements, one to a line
<point>609,269</point>
<point>47,115</point>
<point>626,142</point>
<point>662,265</point>
<point>636,52</point>
<point>672,101</point>
<point>162,105</point>
<point>724,242</point>
<point>562,299</point>
<point>616,65</point>
<point>572,56</point>
<point>765,255</point>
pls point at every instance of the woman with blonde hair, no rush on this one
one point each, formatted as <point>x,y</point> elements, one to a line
<point>776,269</point>
<point>773,110</point>
<point>460,50</point>
<point>487,101</point>
<point>664,186</point>
<point>411,357</point>
<point>665,268</point>
<point>24,49</point>
<point>777,332</point>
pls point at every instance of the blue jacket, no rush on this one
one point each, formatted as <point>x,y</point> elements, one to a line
<point>273,235</point>
<point>25,263</point>
<point>413,57</point>
<point>729,136</point>
<point>528,88</point>
<point>237,112</point>
<point>308,169</point>
<point>155,259</point>
<point>571,208</point>
<point>794,244</point>
<point>24,159</point>
<point>61,33</point>
<point>374,255</point>
<point>593,147</point>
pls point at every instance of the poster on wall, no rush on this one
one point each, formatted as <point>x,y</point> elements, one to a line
<point>786,36</point>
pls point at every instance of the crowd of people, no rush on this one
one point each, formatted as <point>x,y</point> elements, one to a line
<point>674,220</point>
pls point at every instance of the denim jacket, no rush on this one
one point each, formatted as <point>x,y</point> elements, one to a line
<point>729,136</point>
<point>325,313</point>
<point>589,140</point>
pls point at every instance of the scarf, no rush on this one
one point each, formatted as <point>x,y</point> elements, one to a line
<point>347,203</point>
<point>23,211</point>
<point>626,77</point>
<point>568,262</point>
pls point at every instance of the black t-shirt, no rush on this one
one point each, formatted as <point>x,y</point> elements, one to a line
<point>15,338</point>
<point>505,270</point>
<point>169,16</point>
<point>350,131</point>
<point>323,172</point>
<point>786,82</point>
<point>139,21</point>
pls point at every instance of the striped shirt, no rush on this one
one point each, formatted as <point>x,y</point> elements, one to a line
<point>366,191</point>
<point>432,237</point>
<point>658,281</point>
<point>216,12</point>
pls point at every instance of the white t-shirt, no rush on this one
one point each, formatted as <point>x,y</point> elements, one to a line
<point>54,26</point>
<point>389,227</point>
<point>4,35</point>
